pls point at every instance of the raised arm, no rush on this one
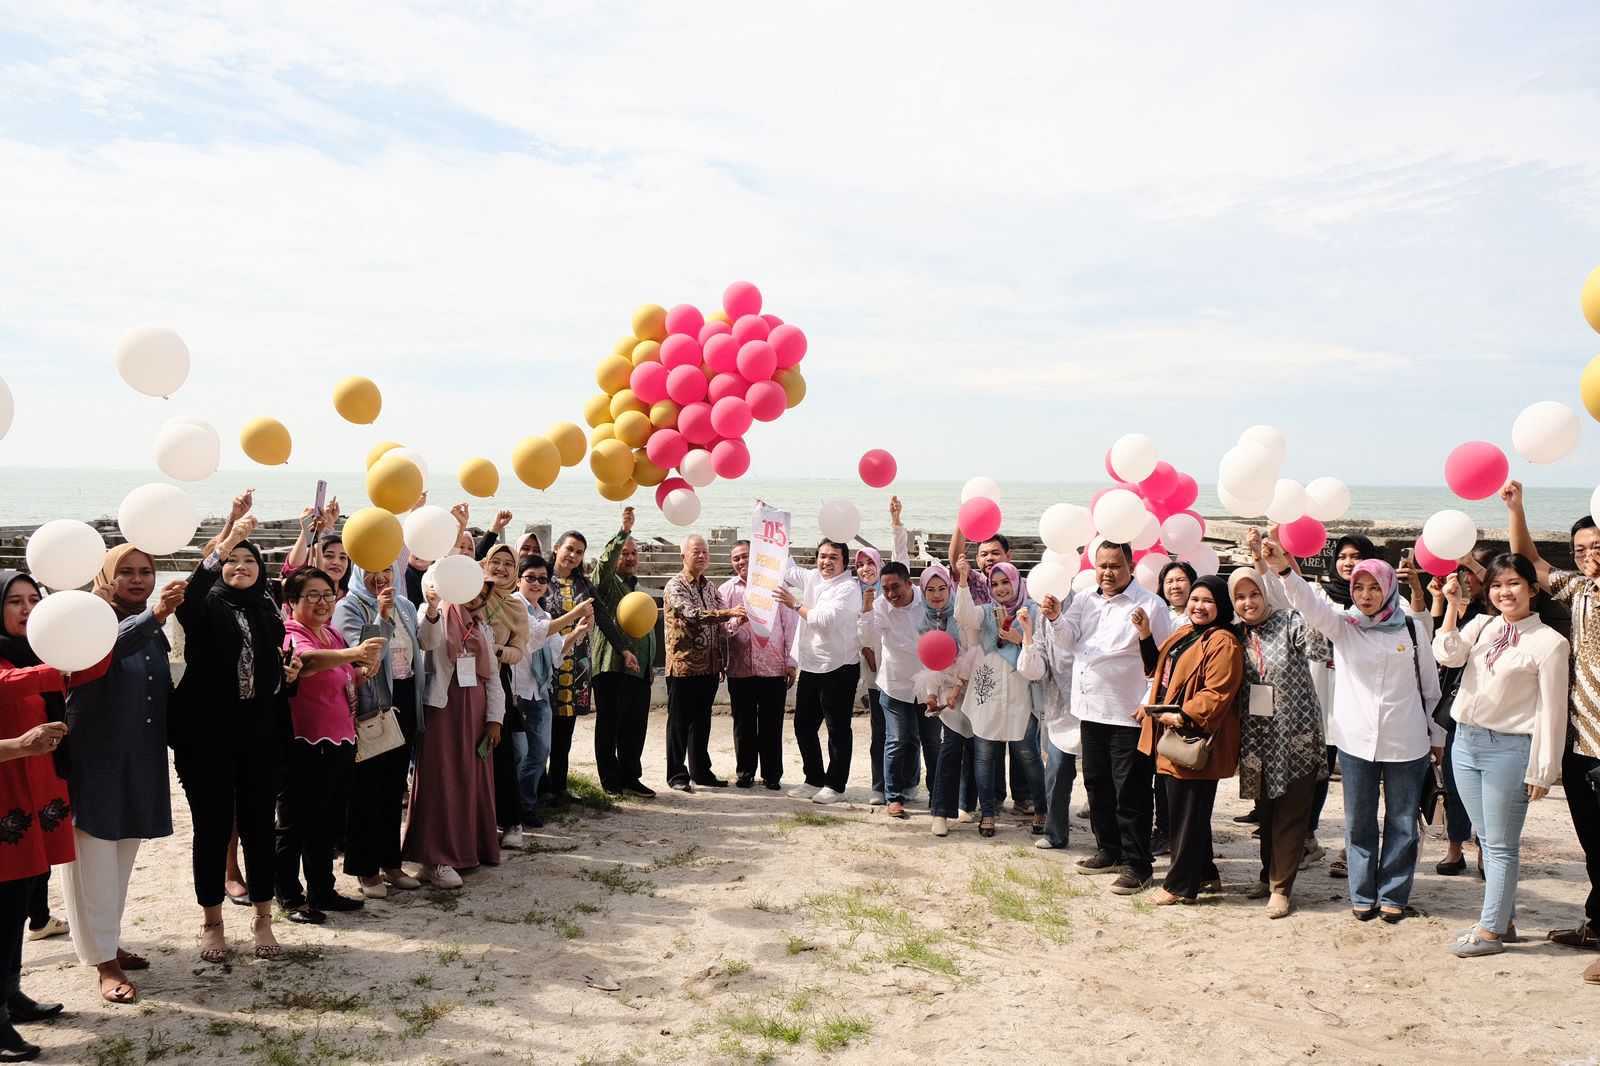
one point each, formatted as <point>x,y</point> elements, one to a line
<point>900,550</point>
<point>1521,538</point>
<point>1321,615</point>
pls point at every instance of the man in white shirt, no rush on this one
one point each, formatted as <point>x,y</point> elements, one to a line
<point>892,624</point>
<point>1108,684</point>
<point>828,649</point>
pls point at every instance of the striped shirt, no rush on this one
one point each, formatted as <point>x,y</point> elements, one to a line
<point>1582,596</point>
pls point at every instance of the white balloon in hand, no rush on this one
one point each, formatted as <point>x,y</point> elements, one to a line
<point>65,553</point>
<point>72,630</point>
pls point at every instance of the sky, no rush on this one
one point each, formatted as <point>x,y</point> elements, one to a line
<point>1011,234</point>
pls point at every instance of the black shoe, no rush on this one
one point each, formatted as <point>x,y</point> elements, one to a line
<point>680,786</point>
<point>24,1009</point>
<point>712,782</point>
<point>1450,869</point>
<point>746,781</point>
<point>1250,817</point>
<point>13,1048</point>
<point>1398,916</point>
<point>1366,915</point>
<point>1160,846</point>
<point>530,820</point>
<point>638,789</point>
<point>336,902</point>
<point>772,785</point>
<point>1129,884</point>
<point>1101,862</point>
<point>307,916</point>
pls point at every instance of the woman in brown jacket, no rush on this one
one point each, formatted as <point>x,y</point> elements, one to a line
<point>1200,669</point>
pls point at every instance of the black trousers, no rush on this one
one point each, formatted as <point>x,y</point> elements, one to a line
<point>621,720</point>
<point>829,698</point>
<point>377,795</point>
<point>14,896</point>
<point>39,902</point>
<point>316,783</point>
<point>689,728</point>
<point>876,734</point>
<point>1584,806</point>
<point>1118,777</point>
<point>228,785</point>
<point>758,725</point>
<point>1192,861</point>
<point>555,778</point>
<point>503,760</point>
<point>1163,812</point>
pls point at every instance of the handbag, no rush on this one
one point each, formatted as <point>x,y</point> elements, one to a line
<point>1432,783</point>
<point>1191,751</point>
<point>377,728</point>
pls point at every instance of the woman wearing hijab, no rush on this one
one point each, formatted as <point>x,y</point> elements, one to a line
<point>1382,724</point>
<point>508,618</point>
<point>33,795</point>
<point>118,773</point>
<point>868,564</point>
<point>1281,746</point>
<point>1198,671</point>
<point>936,689</point>
<point>452,824</point>
<point>378,784</point>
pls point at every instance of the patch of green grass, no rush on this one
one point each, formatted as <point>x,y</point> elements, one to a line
<point>111,1052</point>
<point>857,909</point>
<point>834,1033</point>
<point>589,793</point>
<point>539,847</point>
<point>735,967</point>
<point>424,1016</point>
<point>1034,897</point>
<point>732,1048</point>
<point>158,1045</point>
<point>619,879</point>
<point>317,1001</point>
<point>771,1025</point>
<point>797,944</point>
<point>917,951</point>
<point>588,908</point>
<point>564,927</point>
<point>808,819</point>
<point>687,857</point>
<point>786,1023</point>
<point>303,954</point>
<point>219,1028</point>
<point>766,906</point>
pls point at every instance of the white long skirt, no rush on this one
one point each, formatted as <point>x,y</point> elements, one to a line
<point>96,891</point>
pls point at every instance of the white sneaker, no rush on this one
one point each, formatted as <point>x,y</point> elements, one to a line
<point>1043,844</point>
<point>512,837</point>
<point>875,800</point>
<point>802,792</point>
<point>967,816</point>
<point>941,827</point>
<point>376,890</point>
<point>398,878</point>
<point>827,795</point>
<point>443,877</point>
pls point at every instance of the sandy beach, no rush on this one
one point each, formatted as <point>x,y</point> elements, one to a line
<point>742,926</point>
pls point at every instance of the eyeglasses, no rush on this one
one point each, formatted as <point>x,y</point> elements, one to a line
<point>530,579</point>
<point>1577,550</point>
<point>320,597</point>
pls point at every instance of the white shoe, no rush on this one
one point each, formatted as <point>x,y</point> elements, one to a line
<point>967,816</point>
<point>875,800</point>
<point>827,795</point>
<point>1314,853</point>
<point>1043,844</point>
<point>941,827</point>
<point>802,792</point>
<point>398,878</point>
<point>443,877</point>
<point>376,890</point>
<point>512,837</point>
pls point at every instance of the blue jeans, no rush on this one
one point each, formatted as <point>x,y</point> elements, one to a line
<point>1381,878</point>
<point>532,746</point>
<point>1060,771</point>
<point>902,747</point>
<point>947,776</point>
<point>1490,769</point>
<point>988,760</point>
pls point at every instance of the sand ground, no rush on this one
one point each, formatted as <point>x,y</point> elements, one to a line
<point>739,926</point>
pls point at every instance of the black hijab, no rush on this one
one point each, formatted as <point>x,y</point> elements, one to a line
<point>1338,588</point>
<point>18,652</point>
<point>225,605</point>
<point>1219,592</point>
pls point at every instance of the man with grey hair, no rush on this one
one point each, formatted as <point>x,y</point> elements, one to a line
<point>697,654</point>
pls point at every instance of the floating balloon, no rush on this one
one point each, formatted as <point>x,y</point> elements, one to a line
<point>978,518</point>
<point>430,532</point>
<point>1161,482</point>
<point>668,486</point>
<point>788,343</point>
<point>154,361</point>
<point>379,450</point>
<point>632,428</point>
<point>681,507</point>
<point>1065,527</point>
<point>1288,501</point>
<point>938,650</point>
<point>1268,439</point>
<point>8,408</point>
<point>730,417</point>
<point>625,346</point>
<point>611,461</point>
<point>1327,499</point>
<point>740,299</point>
<point>794,385</point>
<point>536,462</point>
<point>1245,506</point>
<point>188,449</point>
<point>597,409</point>
<point>1050,578</point>
<point>877,468</point>
<point>1147,572</point>
<point>1546,432</point>
<point>697,469</point>
<point>604,431</point>
<point>357,400</point>
<point>678,350</point>
<point>644,352</point>
<point>569,441</point>
<point>637,611</point>
<point>1248,470</point>
<point>1147,536</point>
<point>1304,537</point>
<point>265,440</point>
<point>1133,457</point>
<point>650,322</point>
<point>158,519</point>
<point>1120,515</point>
<point>649,382</point>
<point>394,483</point>
<point>767,401</point>
<point>65,554</point>
<point>839,520</point>
<point>664,415</point>
<point>1450,534</point>
<point>1432,563</point>
<point>712,329</point>
<point>373,538</point>
<point>458,578</point>
<point>666,448</point>
<point>726,386</point>
<point>683,319</point>
<point>757,361</point>
<point>72,630</point>
<point>612,374</point>
<point>1085,581</point>
<point>1183,494</point>
<point>986,487</point>
<point>625,400</point>
<point>617,491</point>
<point>1181,532</point>
<point>645,472</point>
<point>730,458</point>
<point>694,422</point>
<point>1589,299</point>
<point>686,385</point>
<point>750,328</point>
<point>722,354</point>
<point>1203,559</point>
<point>479,477</point>
<point>1476,470</point>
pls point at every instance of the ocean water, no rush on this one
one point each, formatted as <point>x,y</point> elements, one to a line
<point>32,496</point>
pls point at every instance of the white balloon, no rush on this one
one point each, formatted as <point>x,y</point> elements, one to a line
<point>1148,535</point>
<point>1450,534</point>
<point>8,408</point>
<point>1288,501</point>
<point>1327,499</point>
<point>1067,559</point>
<point>153,360</point>
<point>72,630</point>
<point>1147,571</point>
<point>839,520</point>
<point>1085,581</point>
<point>459,578</point>
<point>430,532</point>
<point>696,468</point>
<point>1269,439</point>
<point>986,487</point>
<point>188,449</point>
<point>1049,578</point>
<point>681,507</point>
<point>417,460</point>
<point>1542,433</point>
<point>1066,527</point>
<point>1245,505</point>
<point>158,519</point>
<point>1247,469</point>
<point>1120,515</point>
<point>1134,456</point>
<point>1203,559</point>
<point>65,554</point>
<point>1181,532</point>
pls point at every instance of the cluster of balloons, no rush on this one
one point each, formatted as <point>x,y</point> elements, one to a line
<point>1248,483</point>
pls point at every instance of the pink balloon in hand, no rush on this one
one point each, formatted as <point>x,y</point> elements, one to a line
<point>979,518</point>
<point>1476,470</point>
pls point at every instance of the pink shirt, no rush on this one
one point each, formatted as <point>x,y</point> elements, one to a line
<point>320,707</point>
<point>747,656</point>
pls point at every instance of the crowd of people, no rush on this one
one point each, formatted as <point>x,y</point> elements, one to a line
<point>439,732</point>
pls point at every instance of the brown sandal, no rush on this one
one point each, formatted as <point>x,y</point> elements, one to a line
<point>269,952</point>
<point>121,992</point>
<point>213,955</point>
<point>1580,937</point>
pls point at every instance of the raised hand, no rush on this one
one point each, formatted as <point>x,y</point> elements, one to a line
<point>894,510</point>
<point>462,513</point>
<point>1511,495</point>
<point>1273,554</point>
<point>785,597</point>
<point>386,602</point>
<point>241,505</point>
<point>171,596</point>
<point>868,596</point>
<point>1252,541</point>
<point>42,739</point>
<point>237,533</point>
<point>627,519</point>
<point>1025,622</point>
<point>1454,593</point>
<point>430,593</point>
<point>501,521</point>
<point>1141,622</point>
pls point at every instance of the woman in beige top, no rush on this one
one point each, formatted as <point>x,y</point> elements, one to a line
<point>1511,721</point>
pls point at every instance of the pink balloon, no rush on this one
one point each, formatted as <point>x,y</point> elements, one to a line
<point>937,649</point>
<point>722,354</point>
<point>1303,538</point>
<point>685,318</point>
<point>1160,484</point>
<point>1183,493</point>
<point>757,361</point>
<point>767,401</point>
<point>979,519</point>
<point>1110,473</point>
<point>877,467</point>
<point>740,299</point>
<point>694,422</point>
<point>1084,563</point>
<point>730,416</point>
<point>680,349</point>
<point>1432,563</point>
<point>712,328</point>
<point>669,485</point>
<point>726,385</point>
<point>772,321</point>
<point>789,343</point>
<point>730,458</point>
<point>686,385</point>
<point>1475,470</point>
<point>665,447</point>
<point>649,382</point>
<point>750,328</point>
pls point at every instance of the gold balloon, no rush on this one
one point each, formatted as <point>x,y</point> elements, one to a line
<point>1589,387</point>
<point>357,400</point>
<point>645,352</point>
<point>1589,299</point>
<point>794,386</point>
<point>536,462</point>
<point>266,440</point>
<point>633,428</point>
<point>597,409</point>
<point>624,347</point>
<point>611,461</point>
<point>377,451</point>
<point>394,483</point>
<point>719,315</point>
<point>613,373</point>
<point>664,415</point>
<point>479,477</point>
<point>650,323</point>
<point>636,613</point>
<point>645,472</point>
<point>625,400</point>
<point>373,538</point>
<point>604,431</point>
<point>618,492</point>
<point>568,440</point>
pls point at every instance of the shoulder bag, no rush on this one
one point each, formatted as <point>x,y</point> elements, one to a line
<point>1432,784</point>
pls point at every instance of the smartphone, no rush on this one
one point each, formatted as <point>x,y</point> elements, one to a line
<point>483,747</point>
<point>1405,557</point>
<point>321,500</point>
<point>370,630</point>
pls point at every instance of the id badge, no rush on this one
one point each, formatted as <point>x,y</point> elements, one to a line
<point>467,671</point>
<point>1261,701</point>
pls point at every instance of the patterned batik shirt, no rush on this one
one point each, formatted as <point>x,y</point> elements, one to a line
<point>696,642</point>
<point>1582,597</point>
<point>1277,751</point>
